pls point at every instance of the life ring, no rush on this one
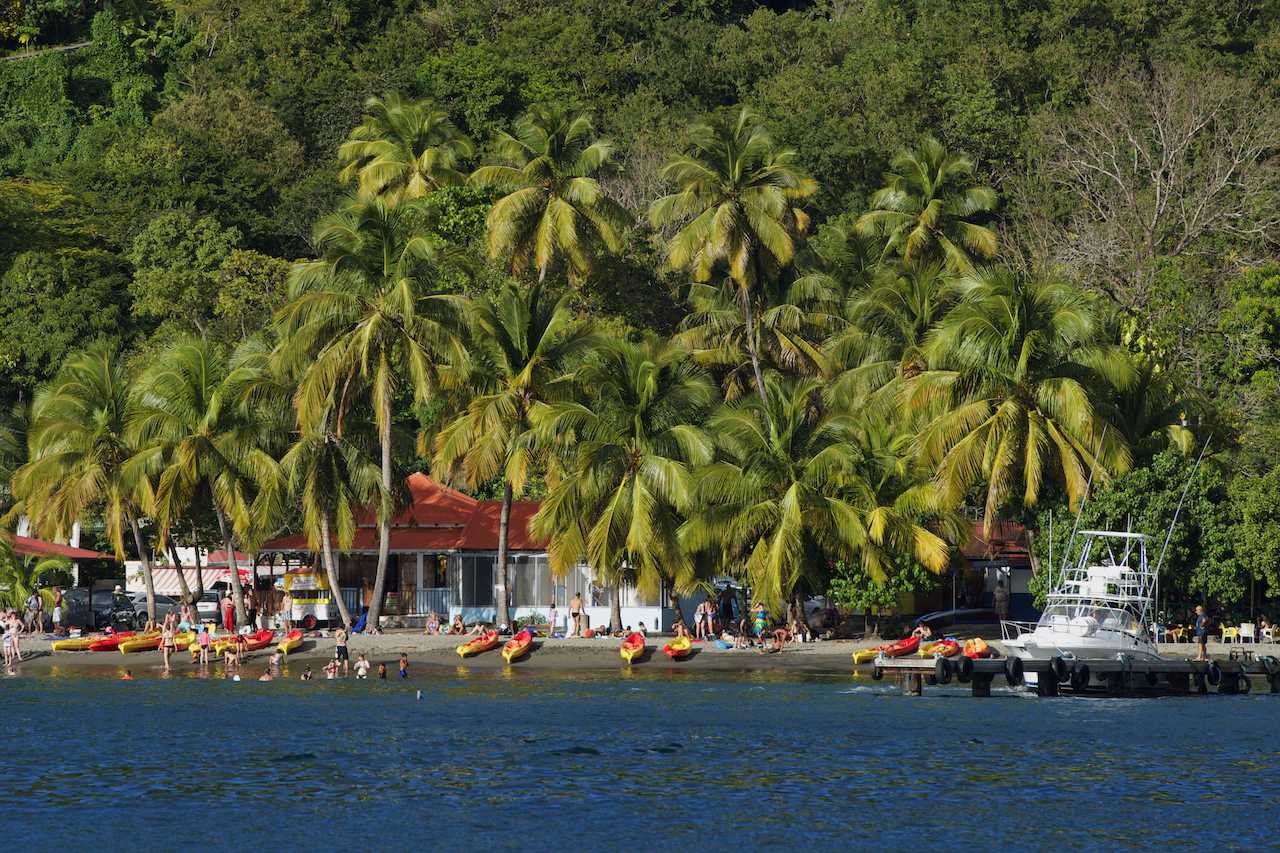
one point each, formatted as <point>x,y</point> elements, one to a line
<point>876,673</point>
<point>964,670</point>
<point>1080,676</point>
<point>309,622</point>
<point>1059,667</point>
<point>1013,671</point>
<point>1213,673</point>
<point>942,670</point>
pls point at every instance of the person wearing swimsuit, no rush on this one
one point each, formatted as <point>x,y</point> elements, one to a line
<point>167,644</point>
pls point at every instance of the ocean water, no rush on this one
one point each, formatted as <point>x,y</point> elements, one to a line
<point>656,760</point>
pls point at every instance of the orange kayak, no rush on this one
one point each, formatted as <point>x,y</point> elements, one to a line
<point>678,648</point>
<point>942,648</point>
<point>482,643</point>
<point>632,646</point>
<point>253,642</point>
<point>976,648</point>
<point>518,646</point>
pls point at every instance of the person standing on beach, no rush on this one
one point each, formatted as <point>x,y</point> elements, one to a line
<point>57,610</point>
<point>228,612</point>
<point>552,618</point>
<point>204,640</point>
<point>167,644</point>
<point>286,611</point>
<point>1202,633</point>
<point>251,607</point>
<point>341,653</point>
<point>34,617</point>
<point>575,612</point>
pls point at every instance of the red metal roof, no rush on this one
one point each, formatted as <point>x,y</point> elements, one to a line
<point>1008,541</point>
<point>429,504</point>
<point>403,539</point>
<point>25,546</point>
<point>481,532</point>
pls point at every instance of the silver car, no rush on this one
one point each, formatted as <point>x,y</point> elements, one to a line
<point>164,604</point>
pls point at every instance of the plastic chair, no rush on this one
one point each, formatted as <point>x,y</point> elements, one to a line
<point>1229,635</point>
<point>1248,632</point>
<point>1269,635</point>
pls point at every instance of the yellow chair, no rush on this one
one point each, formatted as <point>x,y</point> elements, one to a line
<point>1229,635</point>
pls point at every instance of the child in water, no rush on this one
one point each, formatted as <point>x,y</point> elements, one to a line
<point>362,667</point>
<point>404,665</point>
<point>306,674</point>
<point>382,671</point>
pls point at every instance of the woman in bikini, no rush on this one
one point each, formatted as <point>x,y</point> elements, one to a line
<point>167,643</point>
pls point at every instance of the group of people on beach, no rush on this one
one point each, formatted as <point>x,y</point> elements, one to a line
<point>11,628</point>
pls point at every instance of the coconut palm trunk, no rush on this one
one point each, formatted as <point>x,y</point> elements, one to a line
<point>237,592</point>
<point>504,525</point>
<point>384,515</point>
<point>615,608</point>
<point>331,569</point>
<point>144,556</point>
<point>749,316</point>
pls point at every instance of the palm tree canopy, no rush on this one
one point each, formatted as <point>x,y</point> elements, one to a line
<point>79,448</point>
<point>629,453</point>
<point>519,345</point>
<point>795,318</point>
<point>365,311</point>
<point>553,206</point>
<point>1012,394</point>
<point>735,203</point>
<point>403,150</point>
<point>783,500</point>
<point>927,209</point>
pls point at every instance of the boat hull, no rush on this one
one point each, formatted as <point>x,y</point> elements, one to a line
<point>291,642</point>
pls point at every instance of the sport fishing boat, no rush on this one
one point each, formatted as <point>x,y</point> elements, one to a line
<point>1099,609</point>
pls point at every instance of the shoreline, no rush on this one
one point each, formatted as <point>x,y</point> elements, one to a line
<point>436,654</point>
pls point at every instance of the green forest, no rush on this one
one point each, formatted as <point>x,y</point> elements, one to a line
<point>791,291</point>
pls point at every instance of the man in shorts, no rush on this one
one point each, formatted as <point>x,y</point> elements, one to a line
<point>341,654</point>
<point>1202,633</point>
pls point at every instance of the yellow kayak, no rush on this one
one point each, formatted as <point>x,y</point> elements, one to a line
<point>79,644</point>
<point>140,643</point>
<point>482,643</point>
<point>290,643</point>
<point>632,647</point>
<point>941,648</point>
<point>866,655</point>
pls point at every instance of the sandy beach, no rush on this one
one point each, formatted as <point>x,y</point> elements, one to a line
<point>437,653</point>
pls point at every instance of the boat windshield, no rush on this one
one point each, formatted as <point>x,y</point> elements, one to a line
<point>1061,616</point>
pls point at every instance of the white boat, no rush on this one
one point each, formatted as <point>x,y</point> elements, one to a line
<point>1099,609</point>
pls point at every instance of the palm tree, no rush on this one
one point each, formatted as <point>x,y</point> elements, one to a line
<point>332,478</point>
<point>194,440</point>
<point>629,445</point>
<point>554,206</point>
<point>520,344</point>
<point>787,498</point>
<point>13,447</point>
<point>1149,412</point>
<point>403,150</point>
<point>927,207</point>
<point>795,318</point>
<point>1013,394</point>
<point>734,211</point>
<point>358,320</point>
<point>886,327</point>
<point>80,446</point>
<point>19,578</point>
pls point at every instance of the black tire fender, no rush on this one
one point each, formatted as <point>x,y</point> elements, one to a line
<point>1213,673</point>
<point>942,670</point>
<point>1080,676</point>
<point>1013,671</point>
<point>1060,670</point>
<point>1243,684</point>
<point>964,670</point>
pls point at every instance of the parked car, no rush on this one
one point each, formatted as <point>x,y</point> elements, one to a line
<point>165,605</point>
<point>966,622</point>
<point>108,610</point>
<point>207,606</point>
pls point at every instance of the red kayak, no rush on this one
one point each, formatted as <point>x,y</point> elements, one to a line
<point>903,647</point>
<point>110,643</point>
<point>253,642</point>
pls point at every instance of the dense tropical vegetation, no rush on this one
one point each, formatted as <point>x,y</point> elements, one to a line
<point>786,291</point>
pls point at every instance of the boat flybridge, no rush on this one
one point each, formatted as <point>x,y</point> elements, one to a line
<point>1101,608</point>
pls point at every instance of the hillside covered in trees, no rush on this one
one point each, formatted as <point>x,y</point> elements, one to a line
<point>830,274</point>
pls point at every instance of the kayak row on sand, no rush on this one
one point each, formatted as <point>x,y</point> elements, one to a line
<point>127,642</point>
<point>946,648</point>
<point>520,645</point>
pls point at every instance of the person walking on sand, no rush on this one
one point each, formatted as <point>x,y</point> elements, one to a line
<point>575,612</point>
<point>34,616</point>
<point>341,653</point>
<point>1202,633</point>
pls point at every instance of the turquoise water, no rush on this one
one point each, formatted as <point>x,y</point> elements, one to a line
<point>606,762</point>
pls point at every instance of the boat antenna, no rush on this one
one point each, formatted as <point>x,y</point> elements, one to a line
<point>1185,486</point>
<point>1093,466</point>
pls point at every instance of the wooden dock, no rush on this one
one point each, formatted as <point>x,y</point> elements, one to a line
<point>1115,676</point>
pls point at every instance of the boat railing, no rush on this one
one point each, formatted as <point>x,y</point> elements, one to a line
<point>1013,630</point>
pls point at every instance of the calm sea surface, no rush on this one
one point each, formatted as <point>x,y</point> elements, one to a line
<point>606,762</point>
